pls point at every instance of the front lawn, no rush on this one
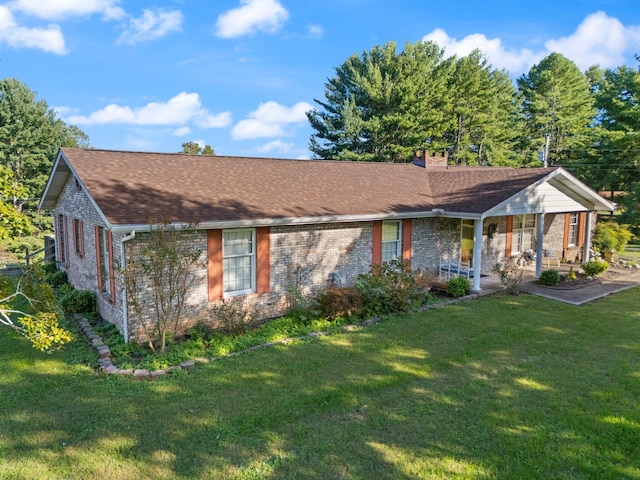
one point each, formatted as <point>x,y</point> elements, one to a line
<point>498,387</point>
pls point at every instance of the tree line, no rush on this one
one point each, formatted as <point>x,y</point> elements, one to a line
<point>384,104</point>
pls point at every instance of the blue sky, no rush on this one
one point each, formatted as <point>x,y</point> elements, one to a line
<point>239,74</point>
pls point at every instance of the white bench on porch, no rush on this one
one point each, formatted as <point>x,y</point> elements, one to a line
<point>455,268</point>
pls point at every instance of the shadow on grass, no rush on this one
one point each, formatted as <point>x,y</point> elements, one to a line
<point>499,387</point>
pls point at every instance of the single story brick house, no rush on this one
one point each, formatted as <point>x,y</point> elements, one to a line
<point>302,223</point>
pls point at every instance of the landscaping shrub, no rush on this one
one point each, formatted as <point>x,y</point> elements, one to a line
<point>510,275</point>
<point>232,315</point>
<point>594,268</point>
<point>550,278</point>
<point>333,302</point>
<point>458,287</point>
<point>56,279</point>
<point>50,267</point>
<point>389,288</point>
<point>571,275</point>
<point>77,301</point>
<point>611,237</point>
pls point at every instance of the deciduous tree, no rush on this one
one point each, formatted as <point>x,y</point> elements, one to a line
<point>30,135</point>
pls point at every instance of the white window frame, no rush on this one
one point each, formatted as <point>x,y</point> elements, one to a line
<point>226,256</point>
<point>574,228</point>
<point>520,230</point>
<point>389,242</point>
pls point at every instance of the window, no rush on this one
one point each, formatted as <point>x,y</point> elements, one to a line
<point>104,259</point>
<point>62,241</point>
<point>524,228</point>
<point>572,231</point>
<point>238,261</point>
<point>78,237</point>
<point>391,241</point>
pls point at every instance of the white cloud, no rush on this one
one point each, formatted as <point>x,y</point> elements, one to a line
<point>181,132</point>
<point>207,120</point>
<point>151,26</point>
<point>315,31</point>
<point>270,120</point>
<point>598,39</point>
<point>48,39</point>
<point>516,61</point>
<point>179,110</point>
<point>277,146</point>
<point>61,9</point>
<point>253,15</point>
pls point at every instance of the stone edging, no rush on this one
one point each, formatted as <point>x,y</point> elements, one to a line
<point>104,352</point>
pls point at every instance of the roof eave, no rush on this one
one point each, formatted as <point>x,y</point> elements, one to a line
<point>295,221</point>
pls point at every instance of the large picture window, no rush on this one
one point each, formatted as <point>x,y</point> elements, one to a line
<point>391,240</point>
<point>238,261</point>
<point>524,229</point>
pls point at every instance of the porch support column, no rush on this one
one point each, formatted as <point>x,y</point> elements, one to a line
<point>539,242</point>
<point>586,247</point>
<point>477,253</point>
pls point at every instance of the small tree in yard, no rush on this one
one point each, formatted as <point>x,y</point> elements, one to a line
<point>164,264</point>
<point>38,316</point>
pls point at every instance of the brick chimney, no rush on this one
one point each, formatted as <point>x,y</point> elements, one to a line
<point>422,159</point>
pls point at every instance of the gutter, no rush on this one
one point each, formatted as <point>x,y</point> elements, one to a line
<point>274,222</point>
<point>125,300</point>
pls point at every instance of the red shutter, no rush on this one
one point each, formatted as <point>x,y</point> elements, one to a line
<point>509,236</point>
<point>567,221</point>
<point>581,226</point>
<point>98,254</point>
<point>406,242</point>
<point>214,257</point>
<point>377,243</point>
<point>112,276</point>
<point>263,261</point>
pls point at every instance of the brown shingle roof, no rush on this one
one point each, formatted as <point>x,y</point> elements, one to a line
<point>136,187</point>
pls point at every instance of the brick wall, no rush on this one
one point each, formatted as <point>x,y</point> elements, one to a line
<point>82,270</point>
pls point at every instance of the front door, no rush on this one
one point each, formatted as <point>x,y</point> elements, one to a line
<point>466,242</point>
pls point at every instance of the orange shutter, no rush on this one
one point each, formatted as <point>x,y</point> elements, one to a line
<point>98,253</point>
<point>509,236</point>
<point>406,242</point>
<point>377,243</point>
<point>214,257</point>
<point>112,276</point>
<point>263,261</point>
<point>581,226</point>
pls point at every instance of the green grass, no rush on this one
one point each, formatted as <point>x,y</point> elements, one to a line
<point>495,388</point>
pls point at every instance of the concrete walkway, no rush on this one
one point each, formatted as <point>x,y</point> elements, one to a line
<point>578,296</point>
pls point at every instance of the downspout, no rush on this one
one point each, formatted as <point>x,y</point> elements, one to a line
<point>125,300</point>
